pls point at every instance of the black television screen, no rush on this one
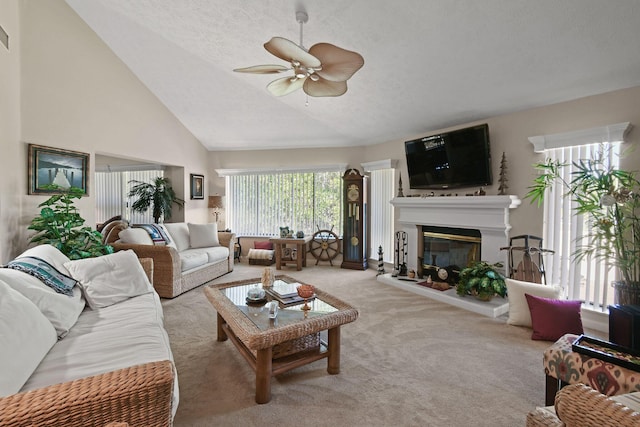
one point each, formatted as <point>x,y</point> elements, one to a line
<point>460,158</point>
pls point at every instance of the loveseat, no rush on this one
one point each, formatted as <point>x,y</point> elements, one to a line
<point>184,256</point>
<point>82,343</point>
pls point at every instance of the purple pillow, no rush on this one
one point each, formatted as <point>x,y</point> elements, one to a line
<point>552,318</point>
<point>263,245</point>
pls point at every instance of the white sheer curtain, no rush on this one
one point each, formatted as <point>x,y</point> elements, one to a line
<point>381,191</point>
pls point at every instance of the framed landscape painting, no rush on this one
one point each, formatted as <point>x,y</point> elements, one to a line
<point>197,186</point>
<point>54,169</point>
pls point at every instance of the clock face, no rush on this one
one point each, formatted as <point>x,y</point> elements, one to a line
<point>353,193</point>
<point>443,274</point>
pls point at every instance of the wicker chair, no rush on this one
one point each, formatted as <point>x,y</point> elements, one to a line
<point>580,405</point>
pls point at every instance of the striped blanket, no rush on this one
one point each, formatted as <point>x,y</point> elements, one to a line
<point>157,233</point>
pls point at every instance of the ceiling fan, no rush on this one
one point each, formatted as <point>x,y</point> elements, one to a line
<point>323,70</point>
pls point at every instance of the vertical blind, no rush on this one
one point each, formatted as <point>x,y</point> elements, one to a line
<point>589,279</point>
<point>111,195</point>
<point>259,204</point>
<point>382,220</point>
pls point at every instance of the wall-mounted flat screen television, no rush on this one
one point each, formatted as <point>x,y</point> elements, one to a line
<point>459,158</point>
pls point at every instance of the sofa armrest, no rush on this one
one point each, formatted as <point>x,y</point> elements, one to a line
<point>138,395</point>
<point>147,266</point>
<point>166,265</point>
<point>228,240</point>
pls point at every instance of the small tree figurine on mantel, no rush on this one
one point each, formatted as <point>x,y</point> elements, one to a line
<point>503,176</point>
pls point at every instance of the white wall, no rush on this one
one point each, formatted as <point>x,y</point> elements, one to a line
<point>13,182</point>
<point>508,133</point>
<point>76,94</point>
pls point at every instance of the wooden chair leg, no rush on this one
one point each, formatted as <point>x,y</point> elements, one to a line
<point>551,388</point>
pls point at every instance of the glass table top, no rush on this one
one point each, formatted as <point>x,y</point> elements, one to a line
<point>289,304</point>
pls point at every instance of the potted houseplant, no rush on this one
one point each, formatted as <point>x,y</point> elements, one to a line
<point>59,224</point>
<point>159,196</point>
<point>482,280</point>
<point>610,198</point>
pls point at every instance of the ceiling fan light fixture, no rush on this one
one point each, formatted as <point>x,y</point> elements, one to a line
<point>323,70</point>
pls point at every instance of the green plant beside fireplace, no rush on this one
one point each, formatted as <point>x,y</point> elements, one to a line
<point>482,280</point>
<point>59,224</point>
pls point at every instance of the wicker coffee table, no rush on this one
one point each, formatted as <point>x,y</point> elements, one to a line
<point>291,340</point>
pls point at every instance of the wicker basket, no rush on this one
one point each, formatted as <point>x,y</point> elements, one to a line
<point>308,342</point>
<point>261,261</point>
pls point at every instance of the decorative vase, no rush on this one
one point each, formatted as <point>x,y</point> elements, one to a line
<point>626,293</point>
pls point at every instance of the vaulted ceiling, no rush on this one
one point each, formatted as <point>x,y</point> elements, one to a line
<point>429,64</point>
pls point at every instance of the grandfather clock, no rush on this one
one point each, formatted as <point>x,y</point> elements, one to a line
<point>354,236</point>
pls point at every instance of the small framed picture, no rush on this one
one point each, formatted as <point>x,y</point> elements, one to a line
<point>197,186</point>
<point>54,170</point>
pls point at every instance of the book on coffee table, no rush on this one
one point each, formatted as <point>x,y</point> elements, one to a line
<point>284,289</point>
<point>286,293</point>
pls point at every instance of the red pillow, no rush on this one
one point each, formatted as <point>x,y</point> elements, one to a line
<point>552,318</point>
<point>263,245</point>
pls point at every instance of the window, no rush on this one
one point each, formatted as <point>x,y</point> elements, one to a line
<point>111,195</point>
<point>382,220</point>
<point>588,280</point>
<point>259,203</point>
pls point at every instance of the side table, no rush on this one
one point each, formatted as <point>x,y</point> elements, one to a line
<point>284,254</point>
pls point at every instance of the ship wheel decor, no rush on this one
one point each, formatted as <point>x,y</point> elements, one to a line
<point>324,246</point>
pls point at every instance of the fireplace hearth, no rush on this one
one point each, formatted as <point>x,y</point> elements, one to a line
<point>486,215</point>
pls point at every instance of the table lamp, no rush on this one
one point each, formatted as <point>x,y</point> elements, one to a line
<point>216,205</point>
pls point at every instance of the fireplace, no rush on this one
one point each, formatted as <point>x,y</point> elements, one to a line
<point>446,248</point>
<point>486,215</point>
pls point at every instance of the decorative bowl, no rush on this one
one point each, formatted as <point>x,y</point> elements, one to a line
<point>306,291</point>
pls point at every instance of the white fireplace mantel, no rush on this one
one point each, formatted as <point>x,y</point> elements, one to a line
<point>488,214</point>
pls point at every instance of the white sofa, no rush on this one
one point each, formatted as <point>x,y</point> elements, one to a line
<point>97,355</point>
<point>195,253</point>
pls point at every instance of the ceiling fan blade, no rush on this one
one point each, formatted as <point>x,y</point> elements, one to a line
<point>285,86</point>
<point>263,69</point>
<point>324,87</point>
<point>289,51</point>
<point>338,64</point>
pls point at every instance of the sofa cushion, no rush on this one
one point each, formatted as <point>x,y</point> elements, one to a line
<point>203,235</point>
<point>135,236</point>
<point>125,334</point>
<point>552,318</point>
<point>26,336</point>
<point>109,279</point>
<point>216,253</point>
<point>518,308</point>
<point>192,258</point>
<point>179,232</point>
<point>61,310</point>
<point>50,254</point>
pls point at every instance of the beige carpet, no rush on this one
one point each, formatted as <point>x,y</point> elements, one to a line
<point>406,361</point>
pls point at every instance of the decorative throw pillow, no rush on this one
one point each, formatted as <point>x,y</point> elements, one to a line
<point>26,336</point>
<point>263,245</point>
<point>49,254</point>
<point>552,318</point>
<point>179,232</point>
<point>518,309</point>
<point>203,235</point>
<point>44,272</point>
<point>61,310</point>
<point>109,279</point>
<point>135,236</point>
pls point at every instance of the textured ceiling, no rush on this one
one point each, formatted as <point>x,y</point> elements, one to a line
<point>429,64</point>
